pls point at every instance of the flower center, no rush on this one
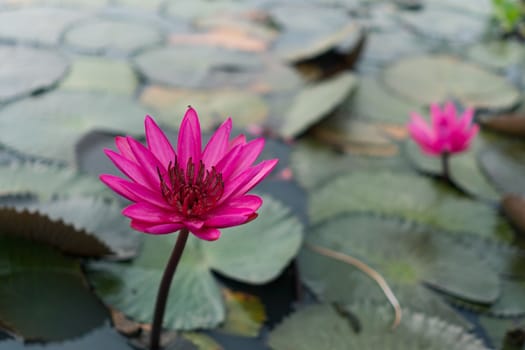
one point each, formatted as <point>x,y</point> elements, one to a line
<point>192,191</point>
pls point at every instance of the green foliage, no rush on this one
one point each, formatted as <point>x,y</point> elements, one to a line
<point>508,13</point>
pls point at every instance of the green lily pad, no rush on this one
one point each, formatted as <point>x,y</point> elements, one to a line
<point>430,79</point>
<point>100,75</point>
<point>304,36</point>
<point>453,26</point>
<point>195,300</point>
<point>509,304</point>
<point>26,70</point>
<point>152,5</point>
<point>315,102</point>
<point>197,67</point>
<point>505,167</point>
<point>464,169</point>
<point>59,119</point>
<point>32,25</point>
<point>97,217</point>
<point>103,337</point>
<point>46,181</point>
<point>321,326</point>
<point>363,104</point>
<point>497,328</point>
<point>408,257</point>
<point>410,196</point>
<point>106,35</point>
<point>37,285</point>
<point>479,8</point>
<point>497,54</point>
<point>314,164</point>
<point>202,8</point>
<point>215,106</point>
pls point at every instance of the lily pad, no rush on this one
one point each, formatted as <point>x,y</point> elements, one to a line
<point>512,125</point>
<point>202,8</point>
<point>304,36</point>
<point>452,26</point>
<point>410,196</point>
<point>106,35</point>
<point>430,79</point>
<point>26,70</point>
<point>32,25</point>
<point>363,104</point>
<point>314,164</point>
<point>38,284</point>
<point>464,170</point>
<point>59,119</point>
<point>97,217</point>
<point>321,326</point>
<point>101,75</point>
<point>197,67</point>
<point>505,167</point>
<point>195,300</point>
<point>315,102</point>
<point>408,257</point>
<point>215,106</point>
<point>46,181</point>
<point>497,54</point>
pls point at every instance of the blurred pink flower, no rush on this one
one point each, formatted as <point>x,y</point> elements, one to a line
<point>448,134</point>
<point>188,188</point>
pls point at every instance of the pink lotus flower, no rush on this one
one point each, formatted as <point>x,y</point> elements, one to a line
<point>193,189</point>
<point>448,134</point>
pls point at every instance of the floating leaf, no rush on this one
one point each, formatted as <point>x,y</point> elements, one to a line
<point>26,70</point>
<point>321,326</point>
<point>46,181</point>
<point>408,257</point>
<point>410,196</point>
<point>197,67</point>
<point>363,104</point>
<point>245,314</point>
<point>105,35</point>
<point>505,167</point>
<point>464,170</point>
<point>196,301</point>
<point>243,107</point>
<point>100,338</point>
<point>455,27</point>
<point>37,285</point>
<point>59,119</point>
<point>304,36</point>
<point>314,164</point>
<point>32,25</point>
<point>39,227</point>
<point>101,75</point>
<point>203,8</point>
<point>497,54</point>
<point>315,102</point>
<point>97,217</point>
<point>430,79</point>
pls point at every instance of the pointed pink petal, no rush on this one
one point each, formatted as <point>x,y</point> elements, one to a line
<point>194,224</point>
<point>247,156</point>
<point>207,233</point>
<point>155,229</point>
<point>146,212</point>
<point>227,163</point>
<point>450,112</point>
<point>123,146</point>
<point>127,167</point>
<point>466,119</point>
<point>250,201</point>
<point>143,194</point>
<point>423,135</point>
<point>149,164</point>
<point>435,115</point>
<point>115,183</point>
<point>234,217</point>
<point>248,179</point>
<point>189,142</point>
<point>218,144</point>
<point>158,143</point>
<point>239,140</point>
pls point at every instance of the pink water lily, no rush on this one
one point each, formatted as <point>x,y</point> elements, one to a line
<point>188,188</point>
<point>447,133</point>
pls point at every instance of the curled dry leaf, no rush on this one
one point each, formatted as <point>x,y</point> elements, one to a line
<point>514,208</point>
<point>510,124</point>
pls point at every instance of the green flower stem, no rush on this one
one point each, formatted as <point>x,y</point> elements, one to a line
<point>445,167</point>
<point>164,288</point>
